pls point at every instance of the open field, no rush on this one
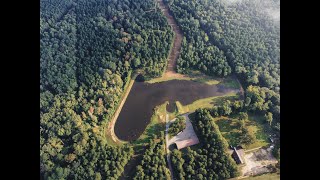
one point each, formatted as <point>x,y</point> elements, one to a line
<point>157,124</point>
<point>193,76</point>
<point>229,128</point>
<point>204,103</point>
<point>269,176</point>
<point>197,76</point>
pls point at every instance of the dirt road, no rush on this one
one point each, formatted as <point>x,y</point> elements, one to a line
<point>167,145</point>
<point>178,36</point>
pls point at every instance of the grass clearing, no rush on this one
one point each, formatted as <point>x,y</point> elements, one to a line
<point>193,75</point>
<point>230,82</point>
<point>268,176</point>
<point>156,125</point>
<point>205,103</point>
<point>229,128</point>
<point>163,78</point>
<point>111,142</point>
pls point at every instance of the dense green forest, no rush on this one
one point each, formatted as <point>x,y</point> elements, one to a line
<point>153,164</point>
<point>210,160</point>
<point>88,48</point>
<point>247,38</point>
<point>247,33</point>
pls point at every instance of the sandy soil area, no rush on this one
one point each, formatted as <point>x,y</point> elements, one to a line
<point>257,162</point>
<point>187,134</point>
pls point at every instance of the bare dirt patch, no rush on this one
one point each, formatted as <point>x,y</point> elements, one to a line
<point>178,36</point>
<point>257,162</point>
<point>185,138</point>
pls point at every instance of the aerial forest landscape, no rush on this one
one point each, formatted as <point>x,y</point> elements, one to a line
<point>159,89</point>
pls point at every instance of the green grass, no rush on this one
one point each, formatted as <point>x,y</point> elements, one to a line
<point>192,75</point>
<point>230,82</point>
<point>127,87</point>
<point>112,143</point>
<point>172,115</point>
<point>229,128</point>
<point>162,79</point>
<point>269,176</point>
<point>261,130</point>
<point>204,103</point>
<point>156,125</point>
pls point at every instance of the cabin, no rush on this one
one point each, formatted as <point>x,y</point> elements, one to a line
<point>237,156</point>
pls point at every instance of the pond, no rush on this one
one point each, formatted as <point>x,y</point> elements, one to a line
<point>144,97</point>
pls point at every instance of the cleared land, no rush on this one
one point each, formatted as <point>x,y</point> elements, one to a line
<point>257,162</point>
<point>204,103</point>
<point>269,176</point>
<point>178,36</point>
<point>194,75</point>
<point>229,128</point>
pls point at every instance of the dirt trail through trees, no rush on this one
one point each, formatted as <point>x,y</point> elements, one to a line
<point>175,51</point>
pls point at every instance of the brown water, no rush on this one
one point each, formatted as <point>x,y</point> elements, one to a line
<point>143,98</point>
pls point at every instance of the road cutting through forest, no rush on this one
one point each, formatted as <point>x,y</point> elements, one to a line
<point>175,50</point>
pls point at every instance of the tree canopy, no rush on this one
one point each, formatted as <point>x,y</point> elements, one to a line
<point>88,49</point>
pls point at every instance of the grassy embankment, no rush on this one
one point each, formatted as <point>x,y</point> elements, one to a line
<point>204,103</point>
<point>269,176</point>
<point>127,87</point>
<point>210,101</point>
<point>156,125</point>
<point>197,76</point>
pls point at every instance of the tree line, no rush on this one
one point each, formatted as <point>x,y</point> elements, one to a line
<point>153,164</point>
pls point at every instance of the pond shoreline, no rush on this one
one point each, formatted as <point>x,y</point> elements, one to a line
<point>110,128</point>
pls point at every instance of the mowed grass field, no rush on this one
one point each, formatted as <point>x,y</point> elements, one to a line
<point>229,128</point>
<point>156,125</point>
<point>191,76</point>
<point>205,103</point>
<point>269,176</point>
<point>197,76</point>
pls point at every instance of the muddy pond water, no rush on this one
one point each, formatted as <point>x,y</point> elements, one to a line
<point>144,97</point>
